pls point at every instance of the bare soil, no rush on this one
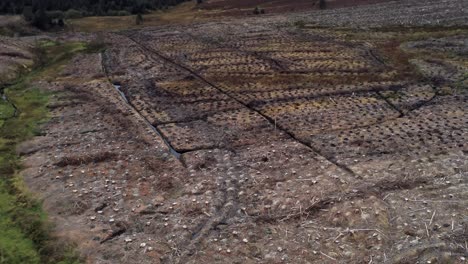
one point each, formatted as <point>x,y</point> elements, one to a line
<point>263,141</point>
<point>14,57</point>
<point>246,7</point>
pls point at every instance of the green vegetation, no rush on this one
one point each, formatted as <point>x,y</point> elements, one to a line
<point>300,24</point>
<point>462,84</point>
<point>46,14</point>
<point>139,19</point>
<point>25,234</point>
<point>14,28</point>
<point>258,11</point>
<point>322,4</point>
<point>184,13</point>
<point>97,45</point>
<point>73,13</point>
<point>86,7</point>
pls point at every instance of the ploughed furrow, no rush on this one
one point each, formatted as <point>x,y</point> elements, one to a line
<point>271,121</point>
<point>321,150</point>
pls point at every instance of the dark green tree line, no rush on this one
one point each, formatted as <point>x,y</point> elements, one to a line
<point>85,7</point>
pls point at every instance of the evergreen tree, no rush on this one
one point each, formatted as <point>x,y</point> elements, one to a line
<point>61,23</point>
<point>28,13</point>
<point>322,4</point>
<point>37,10</point>
<point>40,19</point>
<point>139,19</point>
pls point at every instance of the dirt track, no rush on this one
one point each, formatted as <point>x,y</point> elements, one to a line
<point>261,141</point>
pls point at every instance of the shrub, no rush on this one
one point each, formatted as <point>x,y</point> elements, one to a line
<point>40,55</point>
<point>123,13</point>
<point>139,19</point>
<point>60,23</point>
<point>112,13</point>
<point>28,13</point>
<point>118,13</point>
<point>299,24</point>
<point>55,14</point>
<point>73,13</point>
<point>85,13</point>
<point>41,20</point>
<point>96,45</point>
<point>258,11</point>
<point>322,4</point>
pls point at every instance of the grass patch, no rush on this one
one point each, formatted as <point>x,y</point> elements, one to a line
<point>184,13</point>
<point>14,246</point>
<point>6,110</point>
<point>25,234</point>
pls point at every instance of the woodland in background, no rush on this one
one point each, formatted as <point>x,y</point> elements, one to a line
<point>48,13</point>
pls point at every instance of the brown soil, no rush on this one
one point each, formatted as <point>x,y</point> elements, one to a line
<point>243,7</point>
<point>15,57</point>
<point>259,141</point>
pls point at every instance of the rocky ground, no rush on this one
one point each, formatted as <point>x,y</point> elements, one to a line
<point>395,13</point>
<point>264,141</point>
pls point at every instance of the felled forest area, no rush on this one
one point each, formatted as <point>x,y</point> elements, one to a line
<point>322,136</point>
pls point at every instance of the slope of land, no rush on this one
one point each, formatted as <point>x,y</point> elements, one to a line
<point>246,7</point>
<point>26,236</point>
<point>333,136</point>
